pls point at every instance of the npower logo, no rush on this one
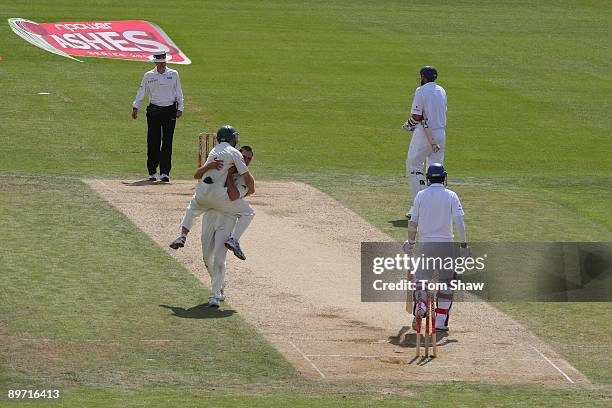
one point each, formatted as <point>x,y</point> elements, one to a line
<point>134,40</point>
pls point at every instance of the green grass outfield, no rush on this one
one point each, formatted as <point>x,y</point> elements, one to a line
<point>320,89</point>
<point>92,306</point>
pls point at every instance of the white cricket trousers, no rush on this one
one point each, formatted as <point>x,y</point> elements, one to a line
<point>213,197</point>
<point>419,154</point>
<point>216,229</point>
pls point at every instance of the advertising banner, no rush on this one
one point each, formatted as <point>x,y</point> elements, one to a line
<point>134,40</point>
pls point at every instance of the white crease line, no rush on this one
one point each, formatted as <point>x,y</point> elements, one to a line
<point>342,341</point>
<point>407,357</point>
<point>552,364</point>
<point>307,359</point>
<point>107,194</point>
<point>101,182</point>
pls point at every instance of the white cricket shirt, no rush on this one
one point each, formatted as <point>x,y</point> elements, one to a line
<point>430,101</point>
<point>434,209</point>
<point>163,89</point>
<point>231,157</point>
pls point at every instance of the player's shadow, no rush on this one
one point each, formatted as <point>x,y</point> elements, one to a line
<point>403,223</point>
<point>202,311</point>
<point>405,339</point>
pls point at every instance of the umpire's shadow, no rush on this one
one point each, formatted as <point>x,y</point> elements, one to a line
<point>202,311</point>
<point>405,339</point>
<point>142,183</point>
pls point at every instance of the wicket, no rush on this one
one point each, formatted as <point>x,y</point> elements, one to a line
<point>210,141</point>
<point>430,328</point>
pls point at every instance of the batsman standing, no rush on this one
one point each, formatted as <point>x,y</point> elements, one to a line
<point>427,124</point>
<point>436,208</point>
<point>165,106</point>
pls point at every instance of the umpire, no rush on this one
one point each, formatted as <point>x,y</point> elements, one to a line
<point>165,106</point>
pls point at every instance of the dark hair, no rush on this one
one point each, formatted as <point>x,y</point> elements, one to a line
<point>247,148</point>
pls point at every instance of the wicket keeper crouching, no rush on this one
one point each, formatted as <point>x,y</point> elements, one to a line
<point>435,209</point>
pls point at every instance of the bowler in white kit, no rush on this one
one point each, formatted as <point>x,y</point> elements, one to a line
<point>211,192</point>
<point>217,228</point>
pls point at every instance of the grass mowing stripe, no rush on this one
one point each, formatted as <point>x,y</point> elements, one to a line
<point>497,209</point>
<point>322,87</point>
<point>115,353</point>
<point>82,293</point>
<point>310,80</point>
<point>349,395</point>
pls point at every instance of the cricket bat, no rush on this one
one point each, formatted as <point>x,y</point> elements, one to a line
<point>432,142</point>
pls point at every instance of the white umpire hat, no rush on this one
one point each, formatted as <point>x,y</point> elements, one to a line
<point>159,57</point>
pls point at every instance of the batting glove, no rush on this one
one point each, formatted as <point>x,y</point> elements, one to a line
<point>410,125</point>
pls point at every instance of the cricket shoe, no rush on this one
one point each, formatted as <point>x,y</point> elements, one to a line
<point>164,178</point>
<point>213,302</point>
<point>234,246</point>
<point>152,177</point>
<point>222,295</point>
<point>179,242</point>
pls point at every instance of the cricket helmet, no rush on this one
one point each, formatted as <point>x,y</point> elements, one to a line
<point>228,134</point>
<point>436,173</point>
<point>429,72</point>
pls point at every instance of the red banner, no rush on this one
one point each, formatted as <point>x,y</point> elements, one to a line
<point>134,40</point>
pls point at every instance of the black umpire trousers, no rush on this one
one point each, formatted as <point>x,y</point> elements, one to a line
<point>160,130</point>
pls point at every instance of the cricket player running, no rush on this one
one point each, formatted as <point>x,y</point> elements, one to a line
<point>435,209</point>
<point>427,124</point>
<point>211,192</point>
<point>217,229</point>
